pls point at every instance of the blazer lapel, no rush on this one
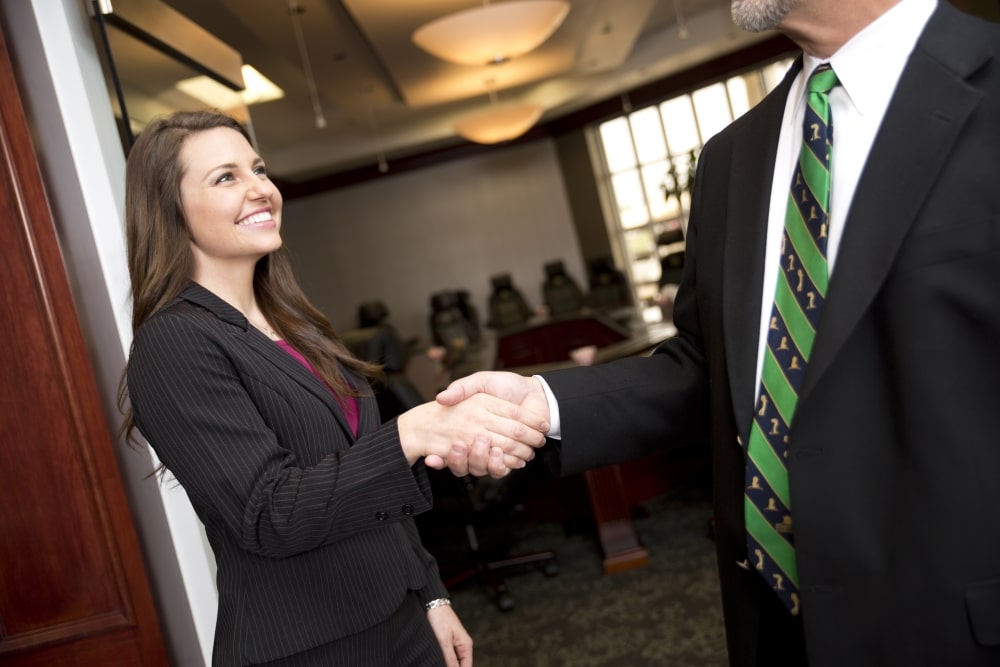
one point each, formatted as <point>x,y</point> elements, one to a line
<point>926,114</point>
<point>271,351</point>
<point>292,367</point>
<point>746,235</point>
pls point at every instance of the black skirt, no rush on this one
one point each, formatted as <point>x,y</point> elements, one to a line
<point>405,639</point>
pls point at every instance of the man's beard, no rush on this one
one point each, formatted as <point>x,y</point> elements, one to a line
<point>760,15</point>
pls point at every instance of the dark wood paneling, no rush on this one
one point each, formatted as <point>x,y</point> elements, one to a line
<point>73,586</point>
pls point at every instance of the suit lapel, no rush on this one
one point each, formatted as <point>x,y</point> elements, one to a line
<point>273,353</point>
<point>292,367</point>
<point>927,112</point>
<point>746,235</point>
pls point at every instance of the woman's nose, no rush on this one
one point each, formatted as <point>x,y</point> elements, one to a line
<point>260,189</point>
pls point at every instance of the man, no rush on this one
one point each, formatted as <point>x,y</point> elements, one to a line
<point>881,504</point>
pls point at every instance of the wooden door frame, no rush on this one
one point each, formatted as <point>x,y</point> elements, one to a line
<point>128,625</point>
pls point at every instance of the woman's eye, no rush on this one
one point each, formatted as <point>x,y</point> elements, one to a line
<point>260,170</point>
<point>228,176</point>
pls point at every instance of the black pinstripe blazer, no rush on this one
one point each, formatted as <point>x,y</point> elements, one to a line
<point>312,529</point>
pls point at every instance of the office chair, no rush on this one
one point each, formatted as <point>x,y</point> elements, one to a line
<point>448,325</point>
<point>478,507</point>
<point>670,248</point>
<point>450,330</point>
<point>671,268</point>
<point>376,341</point>
<point>384,345</point>
<point>483,508</point>
<point>508,307</point>
<point>608,286</point>
<point>470,313</point>
<point>561,293</point>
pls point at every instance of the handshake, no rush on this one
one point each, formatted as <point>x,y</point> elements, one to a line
<point>487,423</point>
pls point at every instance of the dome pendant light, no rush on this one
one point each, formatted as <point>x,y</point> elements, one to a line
<point>499,123</point>
<point>492,34</point>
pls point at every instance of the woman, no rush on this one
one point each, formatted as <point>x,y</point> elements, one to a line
<point>252,402</point>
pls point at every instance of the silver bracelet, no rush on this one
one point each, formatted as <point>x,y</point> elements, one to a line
<point>440,602</point>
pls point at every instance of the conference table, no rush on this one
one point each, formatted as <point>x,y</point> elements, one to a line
<point>593,339</point>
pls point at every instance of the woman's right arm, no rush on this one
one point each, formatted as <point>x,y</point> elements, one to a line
<point>213,427</point>
<point>195,408</point>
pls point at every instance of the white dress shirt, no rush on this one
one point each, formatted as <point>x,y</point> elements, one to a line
<point>868,68</point>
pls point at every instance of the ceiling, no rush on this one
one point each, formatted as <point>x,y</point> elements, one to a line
<point>383,98</point>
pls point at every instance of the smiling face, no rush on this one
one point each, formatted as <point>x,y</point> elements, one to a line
<point>232,209</point>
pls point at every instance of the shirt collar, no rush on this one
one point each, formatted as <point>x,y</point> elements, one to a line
<point>870,63</point>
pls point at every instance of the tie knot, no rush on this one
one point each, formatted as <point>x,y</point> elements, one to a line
<point>823,79</point>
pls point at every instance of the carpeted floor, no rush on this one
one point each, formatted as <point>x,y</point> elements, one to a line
<point>665,614</point>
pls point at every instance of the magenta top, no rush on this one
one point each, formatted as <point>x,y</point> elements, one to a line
<point>347,403</point>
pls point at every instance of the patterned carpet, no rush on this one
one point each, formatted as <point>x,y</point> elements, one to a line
<point>665,614</point>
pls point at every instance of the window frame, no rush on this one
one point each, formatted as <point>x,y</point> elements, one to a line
<point>635,225</point>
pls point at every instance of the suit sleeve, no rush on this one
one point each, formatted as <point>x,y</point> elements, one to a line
<point>625,409</point>
<point>192,407</point>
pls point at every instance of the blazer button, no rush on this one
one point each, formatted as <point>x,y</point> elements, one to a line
<point>407,510</point>
<point>381,516</point>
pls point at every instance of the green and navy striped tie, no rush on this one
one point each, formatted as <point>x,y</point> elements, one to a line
<point>798,301</point>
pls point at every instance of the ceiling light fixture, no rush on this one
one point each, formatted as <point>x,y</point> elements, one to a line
<point>257,89</point>
<point>492,34</point>
<point>500,123</point>
<point>383,165</point>
<point>295,10</point>
<point>682,29</point>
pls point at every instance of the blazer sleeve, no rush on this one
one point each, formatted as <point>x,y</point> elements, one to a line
<point>435,587</point>
<point>625,409</point>
<point>622,410</point>
<point>191,404</point>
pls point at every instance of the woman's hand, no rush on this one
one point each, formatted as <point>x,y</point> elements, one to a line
<point>456,644</point>
<point>479,458</point>
<point>433,429</point>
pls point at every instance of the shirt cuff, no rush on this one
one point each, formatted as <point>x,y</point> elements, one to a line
<point>555,427</point>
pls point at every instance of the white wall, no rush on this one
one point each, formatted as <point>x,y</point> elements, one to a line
<point>403,237</point>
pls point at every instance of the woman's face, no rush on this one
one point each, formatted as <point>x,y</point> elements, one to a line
<point>232,209</point>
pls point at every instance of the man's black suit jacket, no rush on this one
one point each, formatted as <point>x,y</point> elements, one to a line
<point>312,528</point>
<point>895,449</point>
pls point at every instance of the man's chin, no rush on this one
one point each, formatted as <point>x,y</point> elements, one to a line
<point>759,15</point>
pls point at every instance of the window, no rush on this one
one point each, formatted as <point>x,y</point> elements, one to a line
<point>647,163</point>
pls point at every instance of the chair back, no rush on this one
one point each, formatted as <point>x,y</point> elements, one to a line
<point>508,307</point>
<point>561,293</point>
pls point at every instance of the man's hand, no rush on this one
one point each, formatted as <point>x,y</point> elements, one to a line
<point>435,431</point>
<point>489,459</point>
<point>480,457</point>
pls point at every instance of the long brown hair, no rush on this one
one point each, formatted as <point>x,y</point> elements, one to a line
<point>160,260</point>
